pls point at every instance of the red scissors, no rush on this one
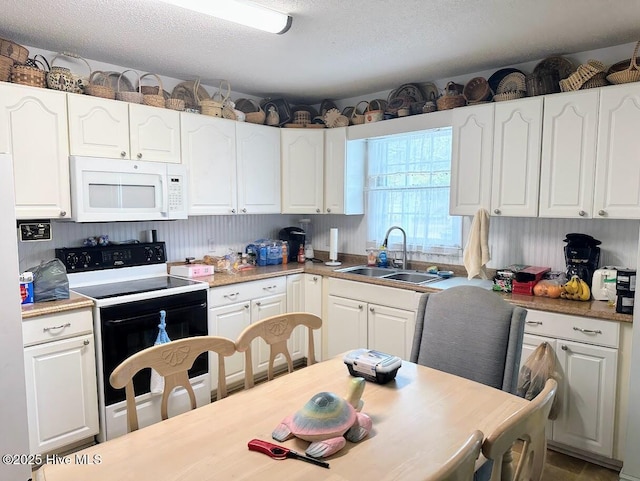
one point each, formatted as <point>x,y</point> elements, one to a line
<point>280,452</point>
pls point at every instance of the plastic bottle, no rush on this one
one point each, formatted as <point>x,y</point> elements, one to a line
<point>285,252</point>
<point>301,257</point>
<point>382,257</point>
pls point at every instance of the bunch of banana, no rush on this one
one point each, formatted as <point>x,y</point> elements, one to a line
<point>576,289</point>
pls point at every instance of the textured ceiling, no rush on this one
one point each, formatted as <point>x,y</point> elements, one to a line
<point>334,49</point>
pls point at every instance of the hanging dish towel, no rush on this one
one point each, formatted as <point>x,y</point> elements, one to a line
<point>157,381</point>
<point>476,253</point>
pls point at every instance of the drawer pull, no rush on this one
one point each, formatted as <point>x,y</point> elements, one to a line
<point>232,296</point>
<point>55,328</point>
<point>534,323</point>
<point>587,331</point>
<point>269,288</point>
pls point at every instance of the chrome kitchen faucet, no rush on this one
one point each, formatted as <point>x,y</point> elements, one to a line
<point>404,243</point>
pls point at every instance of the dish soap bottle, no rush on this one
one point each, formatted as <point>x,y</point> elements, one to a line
<point>382,257</point>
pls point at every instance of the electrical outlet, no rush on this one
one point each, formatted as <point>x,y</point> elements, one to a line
<point>35,231</point>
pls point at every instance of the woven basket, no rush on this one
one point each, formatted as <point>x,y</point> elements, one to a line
<point>357,118</point>
<point>99,86</point>
<point>477,90</point>
<point>31,76</point>
<point>452,97</point>
<point>372,115</point>
<point>632,74</point>
<point>542,82</point>
<point>253,113</point>
<point>585,72</point>
<point>215,105</point>
<point>153,99</point>
<point>5,68</point>
<point>17,52</point>
<point>598,80</point>
<point>510,95</point>
<point>174,104</point>
<point>61,78</point>
<point>135,97</point>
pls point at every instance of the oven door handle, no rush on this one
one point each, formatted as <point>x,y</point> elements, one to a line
<point>202,305</point>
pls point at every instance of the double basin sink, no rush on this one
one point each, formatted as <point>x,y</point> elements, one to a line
<point>392,274</point>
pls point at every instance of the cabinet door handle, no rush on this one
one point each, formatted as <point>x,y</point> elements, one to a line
<point>86,342</point>
<point>315,279</point>
<point>55,328</point>
<point>233,211</point>
<point>582,213</point>
<point>139,155</point>
<point>232,296</point>
<point>328,210</point>
<point>63,213</point>
<point>587,331</point>
<point>246,306</point>
<point>317,211</point>
<point>258,303</point>
<point>496,211</point>
<point>244,211</point>
<point>360,306</point>
<point>123,154</point>
<point>372,309</point>
<point>602,213</point>
<point>564,347</point>
<point>533,323</point>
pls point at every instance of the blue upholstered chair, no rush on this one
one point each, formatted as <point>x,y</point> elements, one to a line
<point>470,332</point>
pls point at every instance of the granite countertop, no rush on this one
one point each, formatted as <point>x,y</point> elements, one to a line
<point>75,301</point>
<point>596,309</point>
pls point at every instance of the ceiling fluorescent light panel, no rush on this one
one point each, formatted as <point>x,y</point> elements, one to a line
<point>243,12</point>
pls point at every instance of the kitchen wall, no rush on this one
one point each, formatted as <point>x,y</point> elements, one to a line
<point>533,241</point>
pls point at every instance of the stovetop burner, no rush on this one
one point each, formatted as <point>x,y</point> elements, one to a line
<point>118,289</point>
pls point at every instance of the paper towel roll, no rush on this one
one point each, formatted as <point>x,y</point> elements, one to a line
<point>333,244</point>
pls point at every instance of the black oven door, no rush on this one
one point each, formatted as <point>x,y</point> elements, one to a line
<point>132,327</point>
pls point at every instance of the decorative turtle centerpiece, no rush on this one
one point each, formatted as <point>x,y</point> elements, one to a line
<point>326,420</point>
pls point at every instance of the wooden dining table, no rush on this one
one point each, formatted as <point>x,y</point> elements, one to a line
<point>419,419</point>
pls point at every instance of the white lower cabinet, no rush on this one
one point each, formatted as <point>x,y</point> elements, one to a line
<point>234,307</point>
<point>356,318</point>
<point>60,376</point>
<point>587,356</point>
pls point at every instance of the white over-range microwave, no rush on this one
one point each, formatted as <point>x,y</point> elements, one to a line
<point>108,190</point>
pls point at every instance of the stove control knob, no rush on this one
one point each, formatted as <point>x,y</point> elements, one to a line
<point>159,253</point>
<point>71,260</point>
<point>148,252</point>
<point>85,259</point>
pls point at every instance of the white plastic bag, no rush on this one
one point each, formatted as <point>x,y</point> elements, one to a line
<point>539,366</point>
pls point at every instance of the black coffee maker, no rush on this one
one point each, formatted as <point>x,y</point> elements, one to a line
<point>582,255</point>
<point>295,236</point>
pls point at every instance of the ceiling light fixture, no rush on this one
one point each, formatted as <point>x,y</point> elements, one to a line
<point>243,12</point>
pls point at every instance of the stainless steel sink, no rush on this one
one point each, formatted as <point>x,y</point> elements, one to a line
<point>367,271</point>
<point>412,277</point>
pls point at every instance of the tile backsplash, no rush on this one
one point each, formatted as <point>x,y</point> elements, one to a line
<point>534,241</point>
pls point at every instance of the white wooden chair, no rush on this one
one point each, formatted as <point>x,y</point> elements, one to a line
<point>529,426</point>
<point>462,465</point>
<point>172,361</point>
<point>276,331</point>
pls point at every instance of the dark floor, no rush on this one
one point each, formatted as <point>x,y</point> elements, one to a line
<point>560,467</point>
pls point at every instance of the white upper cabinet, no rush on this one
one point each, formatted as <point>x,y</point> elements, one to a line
<point>258,157</point>
<point>617,186</point>
<point>33,129</point>
<point>302,171</point>
<point>568,154</point>
<point>154,133</point>
<point>471,159</point>
<point>209,153</point>
<point>516,165</point>
<point>343,173</point>
<point>98,127</point>
<point>109,128</point>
